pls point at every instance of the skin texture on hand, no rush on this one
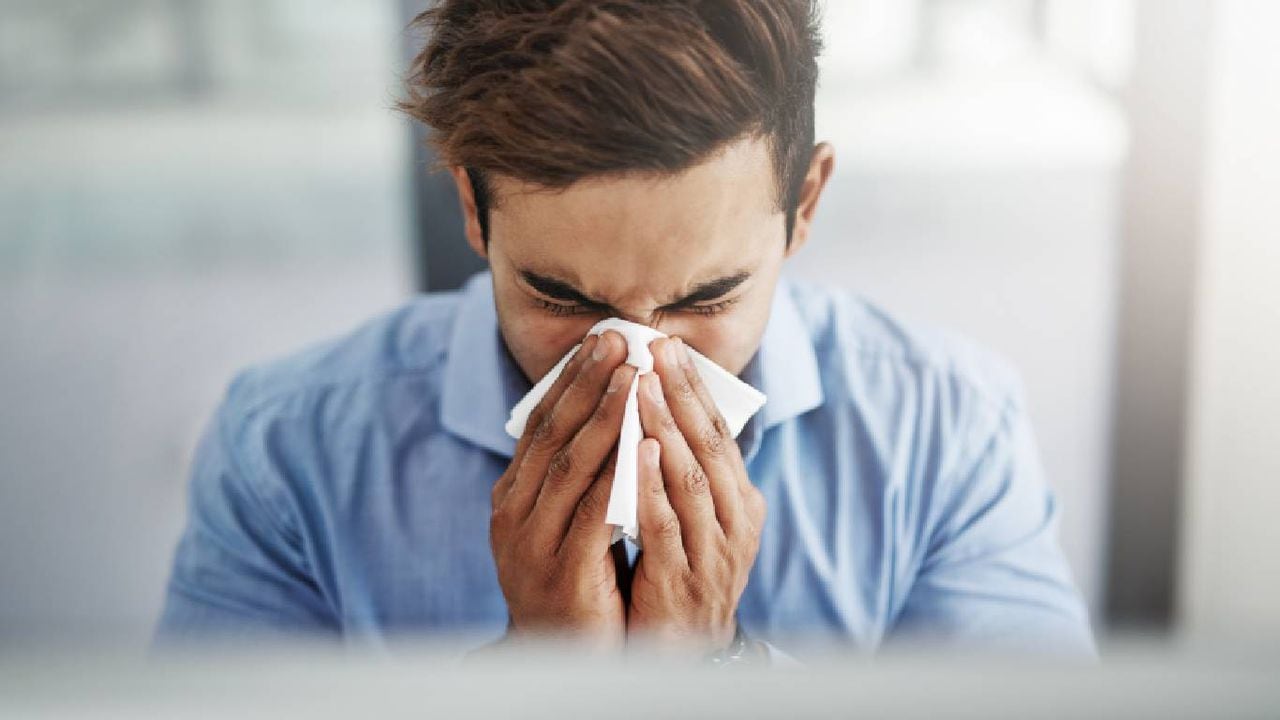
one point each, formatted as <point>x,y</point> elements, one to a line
<point>700,516</point>
<point>549,538</point>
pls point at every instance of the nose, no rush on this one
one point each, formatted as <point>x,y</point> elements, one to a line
<point>652,319</point>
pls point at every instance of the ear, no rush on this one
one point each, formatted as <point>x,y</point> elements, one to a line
<point>822,162</point>
<point>470,216</point>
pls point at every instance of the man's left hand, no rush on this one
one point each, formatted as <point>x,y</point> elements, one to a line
<point>699,515</point>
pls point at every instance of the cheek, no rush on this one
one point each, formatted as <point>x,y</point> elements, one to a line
<point>538,340</point>
<point>728,345</point>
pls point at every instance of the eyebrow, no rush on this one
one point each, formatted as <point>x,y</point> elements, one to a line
<point>702,292</point>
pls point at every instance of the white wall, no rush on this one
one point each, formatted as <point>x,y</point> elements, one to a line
<point>153,240</point>
<point>106,383</point>
<point>1230,580</point>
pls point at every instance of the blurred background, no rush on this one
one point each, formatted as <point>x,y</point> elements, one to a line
<point>1090,187</point>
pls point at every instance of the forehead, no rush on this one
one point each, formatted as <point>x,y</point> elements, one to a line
<point>644,235</point>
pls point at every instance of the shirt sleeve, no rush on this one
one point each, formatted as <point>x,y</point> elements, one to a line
<point>240,570</point>
<point>992,576</point>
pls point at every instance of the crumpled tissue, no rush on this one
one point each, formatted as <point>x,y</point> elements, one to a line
<point>736,400</point>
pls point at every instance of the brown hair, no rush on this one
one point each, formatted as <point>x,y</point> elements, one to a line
<point>552,91</point>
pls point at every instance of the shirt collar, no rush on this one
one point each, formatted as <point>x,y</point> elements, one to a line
<point>785,367</point>
<point>482,381</point>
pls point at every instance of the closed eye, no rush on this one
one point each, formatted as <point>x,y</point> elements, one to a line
<point>562,309</point>
<point>713,309</point>
<point>565,299</point>
<point>568,309</point>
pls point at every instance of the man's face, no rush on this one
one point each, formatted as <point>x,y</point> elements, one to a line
<point>696,254</point>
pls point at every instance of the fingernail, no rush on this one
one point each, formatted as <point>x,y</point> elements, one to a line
<point>685,358</point>
<point>600,350</point>
<point>588,347</point>
<point>654,389</point>
<point>617,380</point>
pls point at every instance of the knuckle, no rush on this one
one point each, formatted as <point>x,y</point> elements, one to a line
<point>720,425</point>
<point>712,440</point>
<point>499,490</point>
<point>684,391</point>
<point>501,518</point>
<point>726,553</point>
<point>694,480</point>
<point>591,504</point>
<point>545,430</point>
<point>561,466</point>
<point>668,527</point>
<point>689,394</point>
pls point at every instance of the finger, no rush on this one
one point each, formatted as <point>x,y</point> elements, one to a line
<point>687,486</point>
<point>659,524</point>
<point>588,533</point>
<point>694,379</point>
<point>574,466</point>
<point>685,360</point>
<point>558,425</point>
<point>707,434</point>
<point>539,411</point>
<point>548,401</point>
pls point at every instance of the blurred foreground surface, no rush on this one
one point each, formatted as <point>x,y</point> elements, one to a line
<point>1134,680</point>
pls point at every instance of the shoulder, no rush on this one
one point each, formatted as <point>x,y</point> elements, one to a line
<point>855,336</point>
<point>908,387</point>
<point>284,434</point>
<point>411,340</point>
<point>286,419</point>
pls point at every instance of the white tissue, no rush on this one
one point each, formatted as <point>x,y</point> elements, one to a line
<point>736,400</point>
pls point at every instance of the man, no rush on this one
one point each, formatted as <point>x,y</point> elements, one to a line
<point>653,161</point>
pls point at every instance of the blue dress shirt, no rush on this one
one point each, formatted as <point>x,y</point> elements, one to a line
<point>345,490</point>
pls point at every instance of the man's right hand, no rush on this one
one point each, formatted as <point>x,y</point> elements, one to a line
<point>548,534</point>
